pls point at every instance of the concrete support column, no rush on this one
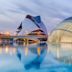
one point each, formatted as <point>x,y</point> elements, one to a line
<point>26,41</point>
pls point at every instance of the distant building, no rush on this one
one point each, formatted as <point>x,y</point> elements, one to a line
<point>62,33</point>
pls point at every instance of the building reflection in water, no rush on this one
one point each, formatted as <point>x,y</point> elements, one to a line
<point>7,50</point>
<point>30,55</point>
<point>62,52</point>
<point>34,55</point>
<point>40,52</point>
<point>26,51</point>
<point>0,50</point>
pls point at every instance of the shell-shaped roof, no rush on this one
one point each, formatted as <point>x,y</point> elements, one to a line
<point>30,24</point>
<point>65,25</point>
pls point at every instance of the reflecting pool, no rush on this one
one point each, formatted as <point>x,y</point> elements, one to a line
<point>40,57</point>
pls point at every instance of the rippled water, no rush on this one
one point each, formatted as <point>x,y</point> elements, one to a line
<point>36,58</point>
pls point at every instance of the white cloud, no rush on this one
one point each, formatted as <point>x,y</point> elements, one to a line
<point>51,11</point>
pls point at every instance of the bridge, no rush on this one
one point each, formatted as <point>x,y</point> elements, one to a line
<point>13,38</point>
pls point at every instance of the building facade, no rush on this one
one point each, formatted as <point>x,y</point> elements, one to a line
<point>62,33</point>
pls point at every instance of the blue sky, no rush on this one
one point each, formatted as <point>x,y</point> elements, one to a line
<point>52,12</point>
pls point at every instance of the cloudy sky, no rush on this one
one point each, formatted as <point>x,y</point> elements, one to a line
<point>52,12</point>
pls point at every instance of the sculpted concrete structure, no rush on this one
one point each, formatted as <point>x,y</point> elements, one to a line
<point>62,33</point>
<point>33,26</point>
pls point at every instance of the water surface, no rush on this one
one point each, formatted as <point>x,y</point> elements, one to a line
<point>36,58</point>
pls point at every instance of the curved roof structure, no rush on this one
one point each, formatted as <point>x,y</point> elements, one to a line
<point>37,21</point>
<point>31,23</point>
<point>65,25</point>
<point>63,32</point>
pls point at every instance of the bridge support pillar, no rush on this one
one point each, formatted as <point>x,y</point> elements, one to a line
<point>26,42</point>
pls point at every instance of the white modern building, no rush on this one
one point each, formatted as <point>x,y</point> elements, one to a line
<point>32,25</point>
<point>62,33</point>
